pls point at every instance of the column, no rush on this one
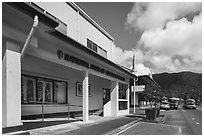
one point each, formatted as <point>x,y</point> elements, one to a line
<point>11,87</point>
<point>134,98</point>
<point>114,98</point>
<point>85,96</point>
<point>128,97</point>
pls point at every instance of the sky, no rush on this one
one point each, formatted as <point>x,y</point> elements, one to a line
<point>165,37</point>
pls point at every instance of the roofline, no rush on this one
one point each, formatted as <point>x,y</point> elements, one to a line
<point>31,10</point>
<point>83,13</point>
<point>141,75</point>
<point>150,78</point>
<point>78,45</point>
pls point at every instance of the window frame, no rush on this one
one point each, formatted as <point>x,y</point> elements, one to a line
<point>53,94</point>
<point>93,44</point>
<point>123,88</point>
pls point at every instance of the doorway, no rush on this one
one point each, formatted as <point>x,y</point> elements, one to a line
<point>106,96</point>
<point>106,102</point>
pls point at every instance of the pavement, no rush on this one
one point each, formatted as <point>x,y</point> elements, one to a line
<point>147,128</point>
<point>96,125</point>
<point>53,126</point>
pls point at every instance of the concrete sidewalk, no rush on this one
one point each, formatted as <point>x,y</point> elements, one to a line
<point>96,125</point>
<point>52,126</point>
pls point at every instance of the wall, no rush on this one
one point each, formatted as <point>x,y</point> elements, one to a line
<point>85,29</point>
<point>63,12</point>
<point>38,67</point>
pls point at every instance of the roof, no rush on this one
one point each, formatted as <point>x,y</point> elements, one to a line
<point>150,79</point>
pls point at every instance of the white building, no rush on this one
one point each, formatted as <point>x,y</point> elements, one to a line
<point>56,59</point>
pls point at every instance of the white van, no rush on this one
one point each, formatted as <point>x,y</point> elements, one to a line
<point>190,104</point>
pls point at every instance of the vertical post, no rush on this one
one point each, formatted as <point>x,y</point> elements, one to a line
<point>68,112</point>
<point>114,98</point>
<point>85,96</point>
<point>134,97</point>
<point>128,97</point>
<point>43,96</point>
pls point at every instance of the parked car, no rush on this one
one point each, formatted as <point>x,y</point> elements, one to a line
<point>165,105</point>
<point>174,102</point>
<point>189,104</point>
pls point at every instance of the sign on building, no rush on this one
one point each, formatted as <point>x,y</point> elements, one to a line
<point>139,88</point>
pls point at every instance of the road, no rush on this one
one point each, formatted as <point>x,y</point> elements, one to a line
<point>188,121</point>
<point>178,122</point>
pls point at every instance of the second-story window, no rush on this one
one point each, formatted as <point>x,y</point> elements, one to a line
<point>91,45</point>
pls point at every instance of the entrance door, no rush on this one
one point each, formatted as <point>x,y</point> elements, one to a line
<point>106,102</point>
<point>106,96</point>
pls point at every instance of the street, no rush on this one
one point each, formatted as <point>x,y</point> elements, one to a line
<point>188,121</point>
<point>178,122</point>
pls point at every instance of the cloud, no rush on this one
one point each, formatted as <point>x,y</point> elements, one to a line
<point>180,38</point>
<point>171,39</point>
<point>145,16</point>
<point>125,57</point>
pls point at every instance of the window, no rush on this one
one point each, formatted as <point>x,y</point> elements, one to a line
<point>102,52</point>
<point>91,45</point>
<point>79,89</point>
<point>60,92</point>
<point>123,105</point>
<point>35,90</point>
<point>28,88</point>
<point>44,90</point>
<point>122,91</point>
<point>123,98</point>
<point>94,47</point>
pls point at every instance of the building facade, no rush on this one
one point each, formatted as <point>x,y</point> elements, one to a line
<point>56,59</point>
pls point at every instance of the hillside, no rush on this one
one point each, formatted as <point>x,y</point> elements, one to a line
<point>183,84</point>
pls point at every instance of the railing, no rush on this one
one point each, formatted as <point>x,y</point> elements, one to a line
<point>51,105</point>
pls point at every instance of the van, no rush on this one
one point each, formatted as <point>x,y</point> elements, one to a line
<point>174,102</point>
<point>190,104</point>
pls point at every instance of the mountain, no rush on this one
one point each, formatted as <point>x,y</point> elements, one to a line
<point>182,84</point>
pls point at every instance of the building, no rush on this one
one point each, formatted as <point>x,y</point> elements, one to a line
<point>56,59</point>
<point>145,82</point>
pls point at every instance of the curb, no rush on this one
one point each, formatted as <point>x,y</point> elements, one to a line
<point>162,120</point>
<point>117,130</point>
<point>18,133</point>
